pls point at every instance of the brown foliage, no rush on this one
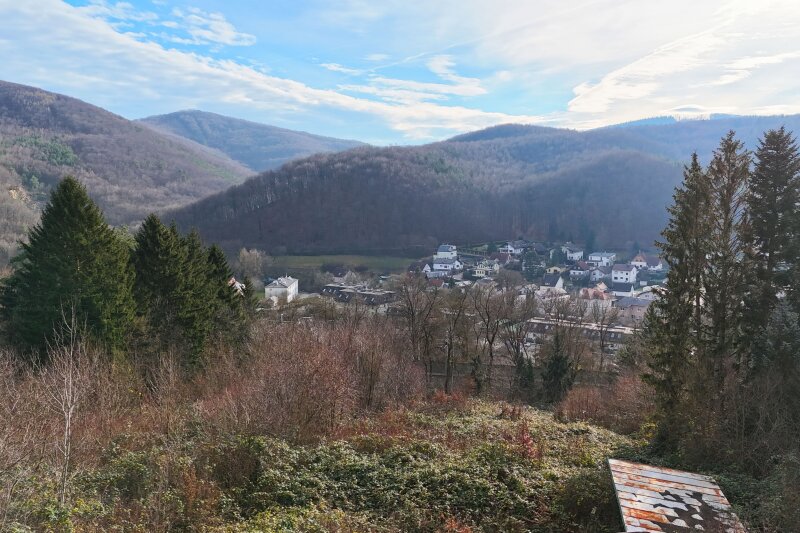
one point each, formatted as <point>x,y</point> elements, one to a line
<point>623,406</point>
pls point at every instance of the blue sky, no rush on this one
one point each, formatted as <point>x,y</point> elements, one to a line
<point>397,72</point>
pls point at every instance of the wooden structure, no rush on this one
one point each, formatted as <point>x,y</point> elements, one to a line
<point>653,499</point>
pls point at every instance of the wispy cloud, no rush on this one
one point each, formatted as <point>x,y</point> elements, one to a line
<point>86,52</point>
<point>336,67</point>
<point>211,28</point>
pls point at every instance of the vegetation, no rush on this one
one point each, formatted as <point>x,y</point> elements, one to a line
<point>128,169</point>
<point>722,341</point>
<point>608,187</point>
<point>257,146</point>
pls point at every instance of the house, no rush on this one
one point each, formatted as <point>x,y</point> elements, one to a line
<point>632,309</point>
<point>281,289</point>
<point>501,258</point>
<point>622,289</point>
<point>602,258</point>
<point>446,264</point>
<point>237,286</point>
<point>347,293</point>
<point>580,270</point>
<point>622,273</point>
<point>556,269</point>
<point>650,262</point>
<point>540,249</point>
<point>572,252</point>
<point>486,268</point>
<point>598,273</point>
<point>552,281</point>
<point>446,251</point>
<point>651,292</point>
<point>516,248</point>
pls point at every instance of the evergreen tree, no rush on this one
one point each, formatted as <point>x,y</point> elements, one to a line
<point>728,275</point>
<point>72,260</point>
<point>159,259</point>
<point>772,197</point>
<point>673,325</point>
<point>559,372</point>
<point>230,308</point>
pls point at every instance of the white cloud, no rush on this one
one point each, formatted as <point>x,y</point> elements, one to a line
<point>376,57</point>
<point>84,52</point>
<point>117,11</point>
<point>212,28</point>
<point>336,67</point>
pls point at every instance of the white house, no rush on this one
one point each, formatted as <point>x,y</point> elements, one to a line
<point>552,281</point>
<point>622,289</point>
<point>284,288</point>
<point>446,264</point>
<point>643,261</point>
<point>237,286</point>
<point>579,270</point>
<point>622,273</point>
<point>446,251</point>
<point>602,258</point>
<point>572,252</point>
<point>486,268</point>
<point>598,273</point>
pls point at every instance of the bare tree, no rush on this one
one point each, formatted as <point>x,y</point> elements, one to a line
<point>491,310</point>
<point>419,305</point>
<point>454,313</point>
<point>603,317</point>
<point>66,382</point>
<point>515,329</point>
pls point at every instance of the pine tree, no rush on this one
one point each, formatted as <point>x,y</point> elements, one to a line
<point>773,195</point>
<point>199,298</point>
<point>728,275</point>
<point>230,313</point>
<point>673,326</point>
<point>159,259</point>
<point>73,260</point>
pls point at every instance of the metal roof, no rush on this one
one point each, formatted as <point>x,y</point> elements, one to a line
<point>653,499</point>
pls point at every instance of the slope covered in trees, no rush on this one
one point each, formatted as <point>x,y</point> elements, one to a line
<point>610,186</point>
<point>257,146</point>
<point>128,168</point>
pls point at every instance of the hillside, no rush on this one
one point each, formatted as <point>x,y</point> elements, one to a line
<point>257,146</point>
<point>128,168</point>
<point>609,186</point>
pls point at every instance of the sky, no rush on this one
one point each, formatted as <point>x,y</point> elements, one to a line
<point>411,71</point>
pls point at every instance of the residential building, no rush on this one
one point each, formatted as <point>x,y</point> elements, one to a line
<point>602,258</point>
<point>446,251</point>
<point>599,273</point>
<point>446,264</point>
<point>579,270</point>
<point>632,310</point>
<point>572,252</point>
<point>553,281</point>
<point>622,273</point>
<point>622,289</point>
<point>486,268</point>
<point>650,262</point>
<point>237,286</point>
<point>283,289</point>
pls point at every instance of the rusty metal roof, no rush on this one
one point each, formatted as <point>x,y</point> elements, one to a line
<point>653,499</point>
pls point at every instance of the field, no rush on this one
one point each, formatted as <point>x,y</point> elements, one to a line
<point>377,263</point>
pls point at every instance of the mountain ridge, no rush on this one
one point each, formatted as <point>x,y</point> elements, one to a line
<point>256,145</point>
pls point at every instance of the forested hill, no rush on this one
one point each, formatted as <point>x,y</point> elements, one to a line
<point>608,186</point>
<point>258,146</point>
<point>129,169</point>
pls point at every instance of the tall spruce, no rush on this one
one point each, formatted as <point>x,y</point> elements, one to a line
<point>73,260</point>
<point>673,326</point>
<point>729,270</point>
<point>159,258</point>
<point>772,198</point>
<point>230,307</point>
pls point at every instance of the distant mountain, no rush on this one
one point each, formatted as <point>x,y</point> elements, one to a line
<point>607,186</point>
<point>258,146</point>
<point>129,169</point>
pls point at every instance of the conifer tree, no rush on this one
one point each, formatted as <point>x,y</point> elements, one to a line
<point>230,314</point>
<point>673,326</point>
<point>72,260</point>
<point>159,259</point>
<point>772,197</point>
<point>728,275</point>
